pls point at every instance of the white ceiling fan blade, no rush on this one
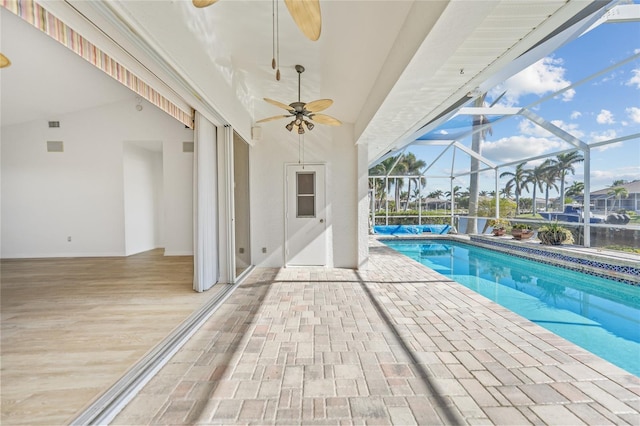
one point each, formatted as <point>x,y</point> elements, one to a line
<point>4,61</point>
<point>306,14</point>
<point>325,119</point>
<point>203,3</point>
<point>278,104</point>
<point>275,117</point>
<point>319,105</point>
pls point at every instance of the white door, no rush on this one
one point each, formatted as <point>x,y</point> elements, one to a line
<point>306,222</point>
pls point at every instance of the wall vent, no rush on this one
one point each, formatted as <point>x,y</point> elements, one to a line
<point>187,146</point>
<point>53,124</point>
<point>55,146</point>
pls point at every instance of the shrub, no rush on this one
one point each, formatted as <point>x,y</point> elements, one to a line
<point>554,234</point>
<point>523,226</point>
<point>499,223</point>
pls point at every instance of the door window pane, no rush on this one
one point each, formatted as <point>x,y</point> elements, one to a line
<point>306,197</point>
<point>306,183</point>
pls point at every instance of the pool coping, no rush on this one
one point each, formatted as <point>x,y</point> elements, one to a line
<point>622,267</point>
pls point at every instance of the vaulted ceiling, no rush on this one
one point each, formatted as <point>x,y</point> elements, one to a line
<point>391,67</point>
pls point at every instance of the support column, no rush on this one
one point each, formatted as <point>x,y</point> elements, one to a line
<point>363,206</point>
<point>586,236</point>
<point>497,215</point>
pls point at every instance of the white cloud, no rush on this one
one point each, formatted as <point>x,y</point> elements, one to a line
<point>635,80</point>
<point>544,76</point>
<point>575,115</point>
<point>571,128</point>
<point>605,117</point>
<point>528,128</point>
<point>604,136</point>
<point>633,113</point>
<point>601,179</point>
<point>519,147</point>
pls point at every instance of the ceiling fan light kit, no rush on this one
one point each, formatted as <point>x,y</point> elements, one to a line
<point>303,113</point>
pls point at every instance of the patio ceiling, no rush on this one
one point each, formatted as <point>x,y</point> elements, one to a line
<point>393,68</point>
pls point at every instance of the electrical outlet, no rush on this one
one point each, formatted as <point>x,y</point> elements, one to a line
<point>69,238</point>
<point>264,249</point>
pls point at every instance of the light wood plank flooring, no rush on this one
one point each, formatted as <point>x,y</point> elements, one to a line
<point>71,327</point>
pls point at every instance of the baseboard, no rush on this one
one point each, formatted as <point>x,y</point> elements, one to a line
<point>60,255</point>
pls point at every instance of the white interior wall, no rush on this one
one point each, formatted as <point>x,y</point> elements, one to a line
<point>331,145</point>
<point>177,169</point>
<point>142,188</point>
<point>79,193</point>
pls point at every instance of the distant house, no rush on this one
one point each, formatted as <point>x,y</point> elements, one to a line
<point>604,200</point>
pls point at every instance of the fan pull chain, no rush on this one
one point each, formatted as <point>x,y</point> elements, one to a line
<point>273,34</point>
<point>301,149</point>
<point>278,40</point>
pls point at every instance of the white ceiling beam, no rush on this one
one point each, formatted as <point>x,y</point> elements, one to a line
<point>616,140</point>
<point>494,110</point>
<point>553,129</point>
<point>475,155</point>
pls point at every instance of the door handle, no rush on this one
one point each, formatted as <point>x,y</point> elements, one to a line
<point>321,220</point>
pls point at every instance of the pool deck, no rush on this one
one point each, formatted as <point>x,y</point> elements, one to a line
<point>395,344</point>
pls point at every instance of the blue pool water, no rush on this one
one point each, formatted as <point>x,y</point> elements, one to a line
<point>600,315</point>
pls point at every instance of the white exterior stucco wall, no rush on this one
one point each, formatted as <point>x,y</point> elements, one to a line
<point>333,146</point>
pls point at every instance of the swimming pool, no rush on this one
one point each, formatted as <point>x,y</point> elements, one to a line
<point>600,315</point>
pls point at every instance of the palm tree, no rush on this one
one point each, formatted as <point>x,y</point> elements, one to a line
<point>436,194</point>
<point>576,189</point>
<point>620,192</point>
<point>517,183</point>
<point>413,167</point>
<point>452,196</point>
<point>485,193</point>
<point>505,192</point>
<point>476,142</point>
<point>384,168</point>
<point>549,177</point>
<point>564,164</point>
<point>535,177</point>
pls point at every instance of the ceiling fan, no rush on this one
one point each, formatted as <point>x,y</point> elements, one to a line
<point>303,113</point>
<point>305,13</point>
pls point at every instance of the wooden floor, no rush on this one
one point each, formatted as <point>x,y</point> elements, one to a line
<point>72,327</point>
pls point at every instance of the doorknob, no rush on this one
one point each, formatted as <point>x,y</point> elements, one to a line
<point>321,220</point>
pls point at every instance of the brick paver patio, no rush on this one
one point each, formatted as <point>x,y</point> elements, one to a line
<point>396,344</point>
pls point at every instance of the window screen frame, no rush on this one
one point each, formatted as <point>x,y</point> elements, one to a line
<point>313,194</point>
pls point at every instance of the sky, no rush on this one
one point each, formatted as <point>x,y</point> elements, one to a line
<point>603,108</point>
